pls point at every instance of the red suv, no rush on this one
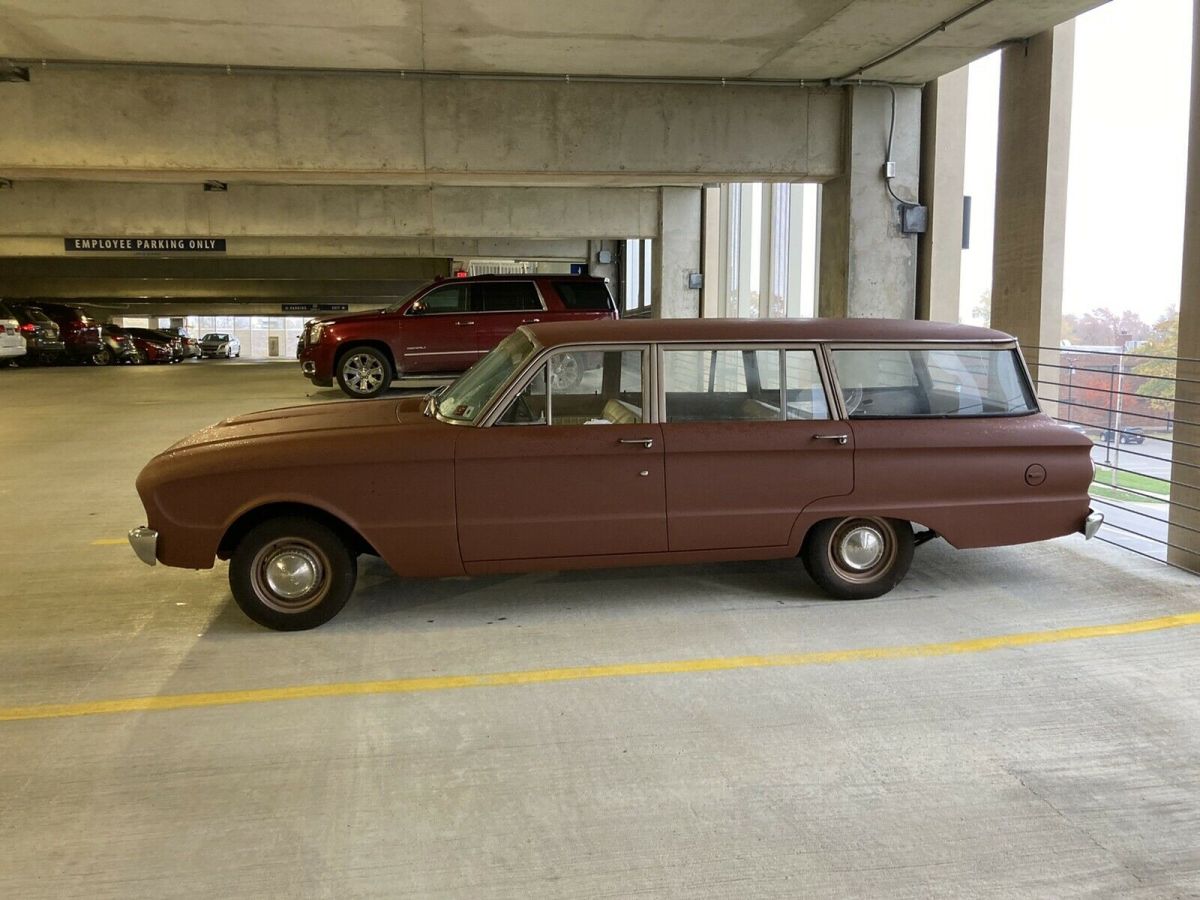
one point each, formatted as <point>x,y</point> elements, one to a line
<point>443,328</point>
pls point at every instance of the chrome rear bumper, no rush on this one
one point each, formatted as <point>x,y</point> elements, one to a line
<point>1092,524</point>
<point>144,542</point>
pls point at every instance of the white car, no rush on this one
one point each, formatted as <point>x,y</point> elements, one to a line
<point>12,342</point>
<point>220,344</point>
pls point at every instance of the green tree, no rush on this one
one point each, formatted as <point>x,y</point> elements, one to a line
<point>1160,373</point>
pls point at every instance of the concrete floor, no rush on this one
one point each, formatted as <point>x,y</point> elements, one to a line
<point>1068,768</point>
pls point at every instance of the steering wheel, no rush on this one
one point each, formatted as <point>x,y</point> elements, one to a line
<point>852,398</point>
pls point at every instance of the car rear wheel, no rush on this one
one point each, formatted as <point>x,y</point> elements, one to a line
<point>102,357</point>
<point>364,372</point>
<point>292,573</point>
<point>859,557</point>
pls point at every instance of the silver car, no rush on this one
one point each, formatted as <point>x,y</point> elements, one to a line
<point>220,344</point>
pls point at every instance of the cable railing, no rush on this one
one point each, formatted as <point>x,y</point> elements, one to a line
<point>1131,417</point>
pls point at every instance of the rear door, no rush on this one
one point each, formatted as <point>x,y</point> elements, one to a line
<point>744,457</point>
<point>437,331</point>
<point>501,307</point>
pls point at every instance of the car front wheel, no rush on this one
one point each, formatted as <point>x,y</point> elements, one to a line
<point>102,357</point>
<point>364,372</point>
<point>291,574</point>
<point>858,557</point>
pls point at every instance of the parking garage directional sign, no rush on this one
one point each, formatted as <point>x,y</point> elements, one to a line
<point>144,245</point>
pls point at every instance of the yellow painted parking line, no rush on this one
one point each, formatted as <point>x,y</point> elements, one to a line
<point>110,542</point>
<point>580,673</point>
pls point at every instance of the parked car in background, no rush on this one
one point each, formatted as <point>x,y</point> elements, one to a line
<point>844,442</point>
<point>190,346</point>
<point>154,346</point>
<point>445,327</point>
<point>80,334</point>
<point>117,347</point>
<point>12,345</point>
<point>1132,435</point>
<point>220,344</point>
<point>43,342</point>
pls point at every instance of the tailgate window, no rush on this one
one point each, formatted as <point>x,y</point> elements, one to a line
<point>937,382</point>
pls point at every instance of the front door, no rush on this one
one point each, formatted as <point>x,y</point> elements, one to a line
<point>565,472</point>
<point>437,332</point>
<point>744,457</point>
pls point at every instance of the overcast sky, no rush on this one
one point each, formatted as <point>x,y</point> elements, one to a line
<point>1128,160</point>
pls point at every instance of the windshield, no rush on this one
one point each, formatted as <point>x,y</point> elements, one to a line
<point>395,307</point>
<point>215,337</point>
<point>465,399</point>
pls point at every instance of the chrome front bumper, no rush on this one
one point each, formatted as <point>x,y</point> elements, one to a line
<point>308,367</point>
<point>1092,524</point>
<point>144,542</point>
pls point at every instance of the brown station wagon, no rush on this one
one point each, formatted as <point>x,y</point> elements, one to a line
<point>844,442</point>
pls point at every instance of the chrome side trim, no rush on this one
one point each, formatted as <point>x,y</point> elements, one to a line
<point>144,542</point>
<point>1092,524</point>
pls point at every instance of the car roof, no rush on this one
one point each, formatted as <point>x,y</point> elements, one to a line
<point>550,334</point>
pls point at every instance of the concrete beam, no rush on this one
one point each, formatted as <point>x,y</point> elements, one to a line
<point>868,268</point>
<point>112,123</point>
<point>1032,160</point>
<point>677,255</point>
<point>32,209</point>
<point>1185,452</point>
<point>943,169</point>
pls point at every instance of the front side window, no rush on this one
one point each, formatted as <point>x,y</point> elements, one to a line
<point>578,387</point>
<point>449,299</point>
<point>932,382</point>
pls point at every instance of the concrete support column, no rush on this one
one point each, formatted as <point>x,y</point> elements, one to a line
<point>943,167</point>
<point>1031,193</point>
<point>868,268</point>
<point>710,254</point>
<point>1185,454</point>
<point>677,254</point>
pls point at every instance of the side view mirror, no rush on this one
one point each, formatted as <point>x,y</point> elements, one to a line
<point>417,308</point>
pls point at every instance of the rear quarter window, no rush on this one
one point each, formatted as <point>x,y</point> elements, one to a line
<point>584,295</point>
<point>935,382</point>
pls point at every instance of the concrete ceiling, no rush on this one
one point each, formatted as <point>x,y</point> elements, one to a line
<point>765,39</point>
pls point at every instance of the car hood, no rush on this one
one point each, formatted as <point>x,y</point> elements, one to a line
<point>337,416</point>
<point>350,317</point>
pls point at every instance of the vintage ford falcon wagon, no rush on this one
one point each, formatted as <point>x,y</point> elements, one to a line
<point>843,442</point>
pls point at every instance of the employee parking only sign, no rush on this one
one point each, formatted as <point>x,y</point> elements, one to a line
<point>144,245</point>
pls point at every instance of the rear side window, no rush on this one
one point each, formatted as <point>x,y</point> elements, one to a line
<point>932,382</point>
<point>584,295</point>
<point>505,296</point>
<point>742,385</point>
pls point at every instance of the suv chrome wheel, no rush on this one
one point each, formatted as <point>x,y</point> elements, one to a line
<point>364,372</point>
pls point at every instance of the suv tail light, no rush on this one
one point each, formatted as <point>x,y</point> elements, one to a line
<point>29,328</point>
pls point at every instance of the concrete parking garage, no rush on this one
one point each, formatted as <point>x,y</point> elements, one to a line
<point>1008,722</point>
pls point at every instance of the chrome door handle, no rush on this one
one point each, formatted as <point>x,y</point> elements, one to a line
<point>645,442</point>
<point>529,321</point>
<point>464,323</point>
<point>840,438</point>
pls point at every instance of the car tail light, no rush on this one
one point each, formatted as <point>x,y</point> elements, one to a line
<point>29,328</point>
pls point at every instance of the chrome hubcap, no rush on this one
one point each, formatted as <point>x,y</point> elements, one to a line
<point>861,548</point>
<point>363,373</point>
<point>292,573</point>
<point>290,576</point>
